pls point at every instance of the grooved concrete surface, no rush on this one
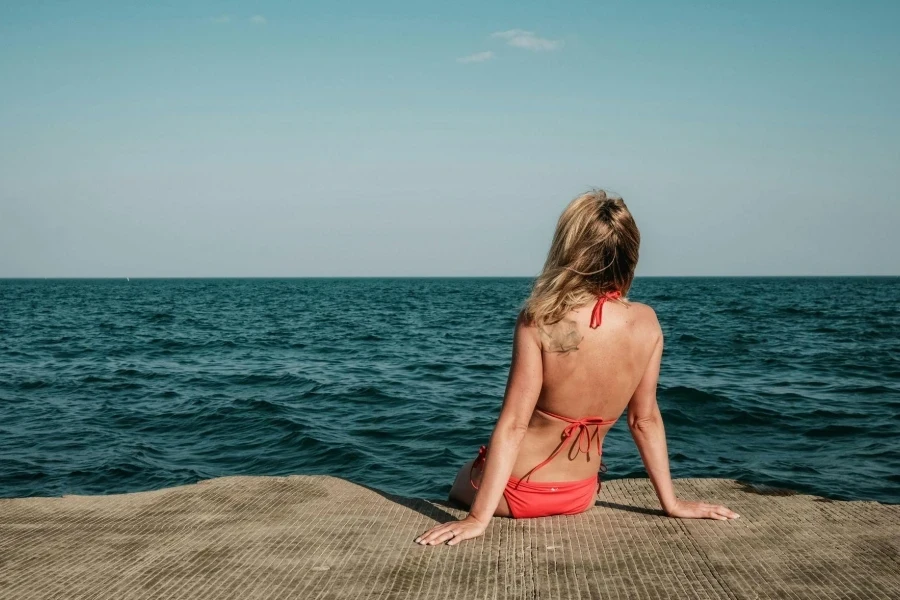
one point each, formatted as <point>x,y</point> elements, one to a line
<point>322,537</point>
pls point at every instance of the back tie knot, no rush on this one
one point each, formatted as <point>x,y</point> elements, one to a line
<point>583,435</point>
<point>597,315</point>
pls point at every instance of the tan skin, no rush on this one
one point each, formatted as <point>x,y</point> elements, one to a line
<point>613,367</point>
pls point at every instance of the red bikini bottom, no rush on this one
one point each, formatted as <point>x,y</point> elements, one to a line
<point>528,499</point>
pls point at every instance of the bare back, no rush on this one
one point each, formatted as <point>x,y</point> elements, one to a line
<point>586,372</point>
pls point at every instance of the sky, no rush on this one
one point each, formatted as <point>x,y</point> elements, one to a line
<point>217,139</point>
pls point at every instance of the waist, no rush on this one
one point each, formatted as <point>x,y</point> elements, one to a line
<point>545,455</point>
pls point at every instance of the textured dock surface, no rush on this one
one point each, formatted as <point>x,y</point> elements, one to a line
<point>322,537</point>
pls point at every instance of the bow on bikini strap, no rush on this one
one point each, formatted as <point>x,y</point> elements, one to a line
<point>583,437</point>
<point>477,463</point>
<point>597,315</point>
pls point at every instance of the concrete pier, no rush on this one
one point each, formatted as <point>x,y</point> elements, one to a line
<point>322,537</point>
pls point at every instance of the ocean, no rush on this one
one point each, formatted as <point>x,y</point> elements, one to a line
<point>110,386</point>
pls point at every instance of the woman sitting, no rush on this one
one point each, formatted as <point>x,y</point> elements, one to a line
<point>582,353</point>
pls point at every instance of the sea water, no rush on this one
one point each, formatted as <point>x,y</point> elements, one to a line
<point>117,386</point>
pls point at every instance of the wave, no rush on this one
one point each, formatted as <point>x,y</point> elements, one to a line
<point>832,431</point>
<point>689,394</point>
<point>281,380</point>
<point>35,384</point>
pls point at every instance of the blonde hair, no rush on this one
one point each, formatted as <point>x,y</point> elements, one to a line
<point>594,252</point>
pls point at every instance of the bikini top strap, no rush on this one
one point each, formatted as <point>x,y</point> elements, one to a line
<point>583,436</point>
<point>584,420</point>
<point>597,314</point>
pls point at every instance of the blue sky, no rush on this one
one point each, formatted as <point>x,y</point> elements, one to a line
<point>411,138</point>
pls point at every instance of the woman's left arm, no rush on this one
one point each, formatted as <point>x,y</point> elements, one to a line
<point>523,387</point>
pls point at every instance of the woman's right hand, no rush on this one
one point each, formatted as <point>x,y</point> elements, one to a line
<point>700,510</point>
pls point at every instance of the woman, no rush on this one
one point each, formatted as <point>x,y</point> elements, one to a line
<point>579,348</point>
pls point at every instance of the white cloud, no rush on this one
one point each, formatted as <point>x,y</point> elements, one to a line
<point>258,20</point>
<point>221,19</point>
<point>526,39</point>
<point>477,57</point>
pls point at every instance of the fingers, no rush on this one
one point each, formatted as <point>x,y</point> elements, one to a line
<point>460,537</point>
<point>704,510</point>
<point>730,514</point>
<point>452,533</point>
<point>437,535</point>
<point>720,513</point>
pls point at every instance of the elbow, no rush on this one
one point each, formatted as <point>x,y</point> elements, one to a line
<point>643,424</point>
<point>514,430</point>
<point>518,430</point>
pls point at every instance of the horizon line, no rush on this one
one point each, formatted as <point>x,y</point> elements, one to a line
<point>164,277</point>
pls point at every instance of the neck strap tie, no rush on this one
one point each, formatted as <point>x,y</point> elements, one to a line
<point>597,315</point>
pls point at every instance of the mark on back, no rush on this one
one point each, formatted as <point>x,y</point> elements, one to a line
<point>562,336</point>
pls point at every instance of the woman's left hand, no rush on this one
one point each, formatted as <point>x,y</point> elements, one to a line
<point>454,531</point>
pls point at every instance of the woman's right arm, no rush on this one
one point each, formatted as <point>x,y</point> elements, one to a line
<point>646,425</point>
